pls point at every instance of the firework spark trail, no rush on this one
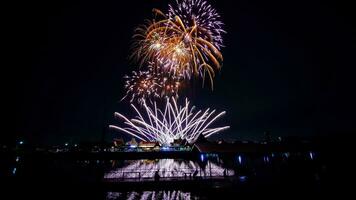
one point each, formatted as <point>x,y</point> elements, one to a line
<point>173,122</point>
<point>187,41</point>
<point>171,50</point>
<point>202,14</point>
<point>150,85</point>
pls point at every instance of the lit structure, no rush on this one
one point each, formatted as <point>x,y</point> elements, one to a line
<point>172,122</point>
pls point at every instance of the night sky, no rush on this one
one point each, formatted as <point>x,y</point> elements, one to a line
<point>289,68</point>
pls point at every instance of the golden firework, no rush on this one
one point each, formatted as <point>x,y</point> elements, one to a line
<point>177,47</point>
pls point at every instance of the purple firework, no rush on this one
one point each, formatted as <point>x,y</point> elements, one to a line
<point>203,14</point>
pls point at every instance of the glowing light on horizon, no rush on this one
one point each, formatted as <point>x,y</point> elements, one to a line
<point>170,123</point>
<point>202,157</point>
<point>240,159</point>
<point>311,155</point>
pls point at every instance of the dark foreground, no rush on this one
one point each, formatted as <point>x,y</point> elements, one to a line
<point>299,174</point>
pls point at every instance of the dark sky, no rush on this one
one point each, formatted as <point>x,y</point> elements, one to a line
<point>289,67</point>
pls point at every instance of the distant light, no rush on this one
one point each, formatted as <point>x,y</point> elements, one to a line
<point>17,159</point>
<point>21,142</point>
<point>311,154</point>
<point>165,148</point>
<point>133,146</point>
<point>202,158</point>
<point>266,159</point>
<point>14,171</point>
<point>242,178</point>
<point>286,154</point>
<point>66,144</point>
<point>240,159</point>
<point>75,145</point>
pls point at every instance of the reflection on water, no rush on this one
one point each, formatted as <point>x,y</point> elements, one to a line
<point>200,177</point>
<point>167,168</point>
<point>146,195</point>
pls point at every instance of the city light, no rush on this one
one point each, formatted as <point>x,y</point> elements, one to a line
<point>165,148</point>
<point>311,155</point>
<point>240,159</point>
<point>202,157</point>
<point>243,178</point>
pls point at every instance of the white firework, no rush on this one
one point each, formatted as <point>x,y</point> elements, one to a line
<point>201,13</point>
<point>172,122</point>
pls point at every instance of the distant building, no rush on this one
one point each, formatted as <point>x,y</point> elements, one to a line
<point>132,143</point>
<point>149,146</point>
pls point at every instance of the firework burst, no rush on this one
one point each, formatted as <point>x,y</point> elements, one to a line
<point>170,123</point>
<point>202,14</point>
<point>151,85</point>
<point>171,50</point>
<point>187,44</point>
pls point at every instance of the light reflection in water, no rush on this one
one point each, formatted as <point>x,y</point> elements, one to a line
<point>146,195</point>
<point>168,168</point>
<point>266,159</point>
